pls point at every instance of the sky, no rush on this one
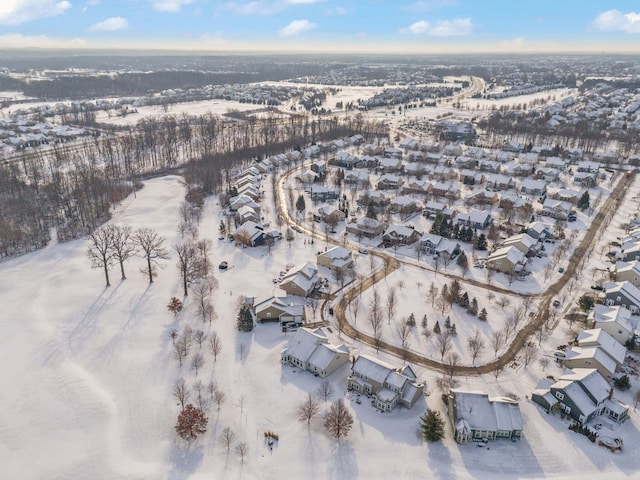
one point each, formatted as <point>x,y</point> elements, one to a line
<point>358,26</point>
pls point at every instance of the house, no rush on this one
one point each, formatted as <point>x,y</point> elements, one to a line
<point>356,178</point>
<point>389,386</point>
<point>429,243</point>
<point>630,251</point>
<point>624,294</point>
<point>241,200</point>
<point>533,187</point>
<point>417,186</point>
<point>336,258</point>
<point>584,179</point>
<point>400,235</point>
<point>308,176</point>
<point>616,321</point>
<point>389,182</point>
<point>483,197</point>
<point>476,415</point>
<point>329,214</point>
<point>393,152</point>
<point>434,208</point>
<point>250,234</point>
<point>596,337</point>
<point>568,195</point>
<point>590,357</point>
<point>583,394</point>
<point>246,213</point>
<point>499,182</point>
<point>548,174</point>
<point>310,350</point>
<point>345,160</point>
<point>556,162</point>
<point>477,219</point>
<point>376,197</point>
<point>628,272</point>
<point>523,242</point>
<point>556,209</point>
<point>404,205</point>
<point>322,194</point>
<point>300,281</point>
<point>366,227</point>
<point>512,146</point>
<point>539,231</point>
<point>507,260</point>
<point>280,309</point>
<point>389,165</point>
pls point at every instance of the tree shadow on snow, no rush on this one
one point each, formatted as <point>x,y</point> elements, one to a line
<point>440,461</point>
<point>184,460</point>
<point>343,462</point>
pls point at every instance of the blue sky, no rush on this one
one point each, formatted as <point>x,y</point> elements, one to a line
<point>425,26</point>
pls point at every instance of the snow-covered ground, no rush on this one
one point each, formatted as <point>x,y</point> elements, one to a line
<point>88,374</point>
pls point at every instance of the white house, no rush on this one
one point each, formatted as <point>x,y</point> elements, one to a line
<point>616,321</point>
<point>596,337</point>
<point>311,350</point>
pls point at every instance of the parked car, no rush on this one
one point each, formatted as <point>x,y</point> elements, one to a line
<point>223,265</point>
<point>597,287</point>
<point>556,303</point>
<point>561,270</point>
<point>363,251</point>
<point>560,354</point>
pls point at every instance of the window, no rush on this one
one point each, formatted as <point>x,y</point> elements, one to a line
<point>559,396</point>
<point>567,409</point>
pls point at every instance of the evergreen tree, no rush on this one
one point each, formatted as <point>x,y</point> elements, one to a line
<point>432,426</point>
<point>482,242</point>
<point>222,229</point>
<point>483,315</point>
<point>447,323</point>
<point>411,321</point>
<point>453,330</point>
<point>455,291</point>
<point>371,210</point>
<point>435,228</point>
<point>424,321</point>
<point>245,319</point>
<point>300,204</point>
<point>464,300</point>
<point>473,306</point>
<point>436,328</point>
<point>584,201</point>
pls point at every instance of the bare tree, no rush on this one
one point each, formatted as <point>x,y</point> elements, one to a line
<point>191,423</point>
<point>544,363</point>
<point>215,345</point>
<point>122,245</point>
<point>242,449</point>
<point>199,337</point>
<point>433,293</point>
<point>475,345</point>
<point>325,390</point>
<point>403,330</point>
<point>503,302</point>
<point>227,437</point>
<point>202,290</point>
<point>529,353</point>
<point>187,264</point>
<point>355,306</point>
<point>197,362</point>
<point>182,346</point>
<point>518,315</point>
<point>338,421</point>
<point>497,372</point>
<point>452,362</point>
<point>100,250</point>
<point>181,392</point>
<point>151,248</point>
<point>497,340</point>
<point>219,397</point>
<point>308,409</point>
<point>636,398</point>
<point>443,343</point>
<point>391,304</point>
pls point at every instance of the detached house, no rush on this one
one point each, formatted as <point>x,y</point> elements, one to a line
<point>280,309</point>
<point>628,272</point>
<point>624,294</point>
<point>311,350</point>
<point>336,258</point>
<point>616,321</point>
<point>475,415</point>
<point>366,227</point>
<point>582,394</point>
<point>477,219</point>
<point>533,187</point>
<point>389,182</point>
<point>507,260</point>
<point>389,386</point>
<point>300,281</point>
<point>400,235</point>
<point>556,209</point>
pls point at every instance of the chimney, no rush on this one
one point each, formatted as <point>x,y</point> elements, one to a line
<point>610,393</point>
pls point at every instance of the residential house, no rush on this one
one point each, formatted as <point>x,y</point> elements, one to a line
<point>590,357</point>
<point>523,242</point>
<point>391,165</point>
<point>300,281</point>
<point>513,146</point>
<point>629,252</point>
<point>474,415</point>
<point>556,162</point>
<point>596,337</point>
<point>366,227</point>
<point>311,350</point>
<point>431,209</point>
<point>415,168</point>
<point>616,321</point>
<point>556,209</point>
<point>404,205</point>
<point>417,186</point>
<point>584,179</point>
<point>507,260</point>
<point>568,195</point>
<point>345,160</point>
<point>280,309</point>
<point>583,394</point>
<point>483,197</point>
<point>308,176</point>
<point>548,174</point>
<point>499,182</point>
<point>429,243</point>
<point>389,182</point>
<point>587,166</point>
<point>356,178</point>
<point>377,197</point>
<point>477,219</point>
<point>628,272</point>
<point>624,294</point>
<point>246,213</point>
<point>250,234</point>
<point>322,194</point>
<point>329,214</point>
<point>400,235</point>
<point>533,187</point>
<point>539,231</point>
<point>389,386</point>
<point>235,203</point>
<point>393,152</point>
<point>336,258</point>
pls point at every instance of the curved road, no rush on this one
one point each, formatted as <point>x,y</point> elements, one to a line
<point>521,337</point>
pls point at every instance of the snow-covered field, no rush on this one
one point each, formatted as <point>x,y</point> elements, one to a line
<point>88,374</point>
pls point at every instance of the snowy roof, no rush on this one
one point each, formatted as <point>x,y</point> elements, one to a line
<point>617,314</point>
<point>511,253</point>
<point>336,252</point>
<point>522,238</point>
<point>386,395</point>
<point>627,289</point>
<point>325,353</point>
<point>484,413</point>
<point>591,353</point>
<point>304,342</point>
<point>396,380</point>
<point>597,336</point>
<point>591,379</point>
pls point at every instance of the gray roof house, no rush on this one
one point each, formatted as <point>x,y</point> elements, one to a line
<point>616,321</point>
<point>389,386</point>
<point>623,293</point>
<point>311,350</point>
<point>476,415</point>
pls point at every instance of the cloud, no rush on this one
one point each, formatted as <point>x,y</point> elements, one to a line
<point>110,25</point>
<point>17,40</point>
<point>14,12</point>
<point>616,21</point>
<point>251,8</point>
<point>337,11</point>
<point>428,5</point>
<point>513,44</point>
<point>441,28</point>
<point>296,27</point>
<point>170,5</point>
